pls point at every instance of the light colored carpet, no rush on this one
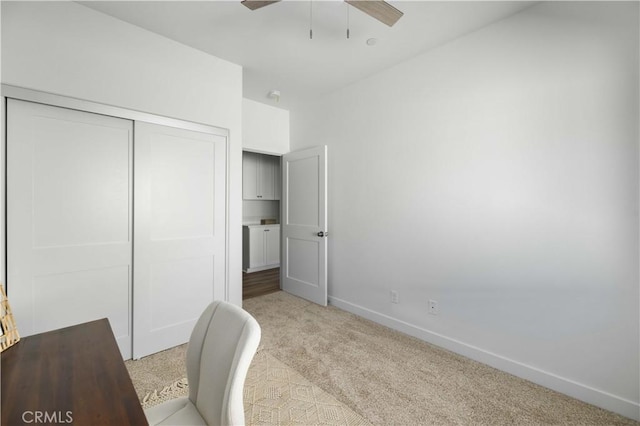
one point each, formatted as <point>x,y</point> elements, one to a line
<point>274,395</point>
<point>391,378</point>
<point>158,371</point>
<point>386,377</point>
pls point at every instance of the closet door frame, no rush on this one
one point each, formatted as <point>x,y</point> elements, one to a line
<point>19,93</point>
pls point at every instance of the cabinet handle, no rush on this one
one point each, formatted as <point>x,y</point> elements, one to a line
<point>267,230</point>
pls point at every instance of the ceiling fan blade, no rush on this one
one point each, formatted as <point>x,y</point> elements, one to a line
<point>257,4</point>
<point>378,9</point>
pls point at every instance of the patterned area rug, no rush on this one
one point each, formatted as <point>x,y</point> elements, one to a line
<point>275,394</point>
<point>175,390</point>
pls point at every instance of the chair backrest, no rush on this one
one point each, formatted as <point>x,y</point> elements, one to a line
<point>221,347</point>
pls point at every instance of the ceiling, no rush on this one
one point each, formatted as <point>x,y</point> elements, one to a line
<point>273,45</point>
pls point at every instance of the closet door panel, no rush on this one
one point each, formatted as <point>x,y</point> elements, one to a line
<point>68,218</point>
<point>95,285</point>
<point>179,232</point>
<point>78,177</point>
<point>167,299</point>
<point>182,186</point>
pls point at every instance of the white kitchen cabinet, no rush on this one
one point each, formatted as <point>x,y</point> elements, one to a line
<point>261,247</point>
<point>277,190</point>
<point>260,176</point>
<point>250,176</point>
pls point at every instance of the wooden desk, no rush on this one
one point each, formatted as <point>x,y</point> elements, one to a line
<point>74,375</point>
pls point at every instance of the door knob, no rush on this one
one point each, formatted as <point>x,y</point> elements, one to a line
<point>322,234</point>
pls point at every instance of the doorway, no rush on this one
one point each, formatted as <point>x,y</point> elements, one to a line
<point>261,190</point>
<point>299,243</point>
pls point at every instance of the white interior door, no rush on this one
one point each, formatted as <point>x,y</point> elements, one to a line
<point>68,218</point>
<point>179,232</point>
<point>304,224</point>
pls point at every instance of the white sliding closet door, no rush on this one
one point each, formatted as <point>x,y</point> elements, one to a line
<point>69,182</point>
<point>179,227</point>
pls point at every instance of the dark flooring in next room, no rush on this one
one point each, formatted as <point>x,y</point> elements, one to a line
<point>260,283</point>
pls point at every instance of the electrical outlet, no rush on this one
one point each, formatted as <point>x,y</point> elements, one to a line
<point>434,309</point>
<point>394,296</point>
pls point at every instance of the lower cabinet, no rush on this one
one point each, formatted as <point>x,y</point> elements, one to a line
<point>261,247</point>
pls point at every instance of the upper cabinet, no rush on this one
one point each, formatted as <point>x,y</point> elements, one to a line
<point>261,178</point>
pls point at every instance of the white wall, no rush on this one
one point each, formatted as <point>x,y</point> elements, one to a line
<point>68,49</point>
<point>254,210</point>
<point>265,128</point>
<point>498,175</point>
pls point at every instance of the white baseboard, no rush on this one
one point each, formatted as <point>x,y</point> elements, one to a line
<point>576,390</point>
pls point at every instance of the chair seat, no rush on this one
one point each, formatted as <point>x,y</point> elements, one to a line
<point>176,412</point>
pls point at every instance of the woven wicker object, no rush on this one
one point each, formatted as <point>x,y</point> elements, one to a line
<point>9,331</point>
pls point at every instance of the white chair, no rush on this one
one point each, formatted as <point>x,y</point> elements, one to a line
<point>221,347</point>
